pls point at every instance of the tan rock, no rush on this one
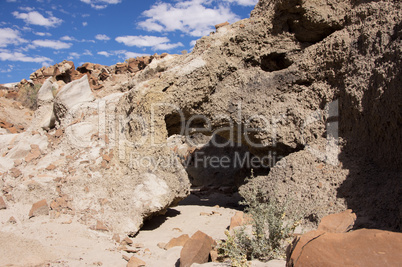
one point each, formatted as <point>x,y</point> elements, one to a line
<point>239,219</point>
<point>177,241</point>
<point>126,241</point>
<point>135,262</point>
<point>196,249</point>
<point>12,220</point>
<point>161,245</point>
<point>364,247</point>
<point>338,223</point>
<point>220,25</point>
<point>3,205</point>
<point>214,255</point>
<point>51,167</point>
<point>100,226</point>
<point>39,208</point>
<point>15,172</point>
<point>116,238</point>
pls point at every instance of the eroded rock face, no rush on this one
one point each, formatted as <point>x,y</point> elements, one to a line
<point>305,76</point>
<point>310,89</point>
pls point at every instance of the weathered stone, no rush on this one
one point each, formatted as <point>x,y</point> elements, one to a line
<point>100,226</point>
<point>3,205</point>
<point>12,220</point>
<point>39,208</point>
<point>135,262</point>
<point>196,249</point>
<point>51,167</point>
<point>116,238</point>
<point>220,25</point>
<point>338,223</point>
<point>177,241</point>
<point>239,219</point>
<point>45,93</point>
<point>15,172</point>
<point>71,95</point>
<point>126,241</point>
<point>364,247</point>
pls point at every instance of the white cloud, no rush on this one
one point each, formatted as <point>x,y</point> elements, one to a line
<point>104,53</point>
<point>243,2</point>
<point>102,37</point>
<point>52,44</point>
<point>16,56</point>
<point>68,38</point>
<point>42,33</point>
<point>27,9</point>
<point>157,43</point>
<point>100,4</point>
<point>122,54</point>
<point>36,18</point>
<point>193,17</point>
<point>9,36</point>
<point>128,54</point>
<point>87,53</point>
<point>8,69</point>
<point>84,23</point>
<point>73,55</point>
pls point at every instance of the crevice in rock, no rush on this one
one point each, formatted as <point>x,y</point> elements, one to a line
<point>65,77</point>
<point>275,61</point>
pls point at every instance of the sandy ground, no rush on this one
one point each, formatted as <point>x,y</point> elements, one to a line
<point>42,241</point>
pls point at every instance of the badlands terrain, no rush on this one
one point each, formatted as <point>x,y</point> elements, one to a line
<point>104,165</point>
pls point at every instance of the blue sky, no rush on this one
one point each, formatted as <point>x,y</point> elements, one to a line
<point>36,33</point>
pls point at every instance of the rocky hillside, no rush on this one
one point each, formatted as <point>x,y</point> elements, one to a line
<point>307,92</point>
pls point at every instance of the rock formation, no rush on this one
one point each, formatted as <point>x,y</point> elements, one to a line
<point>305,93</point>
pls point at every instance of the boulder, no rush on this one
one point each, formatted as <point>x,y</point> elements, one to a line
<point>71,95</point>
<point>196,249</point>
<point>364,247</point>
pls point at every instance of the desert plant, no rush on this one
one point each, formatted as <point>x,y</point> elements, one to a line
<point>28,95</point>
<point>270,228</point>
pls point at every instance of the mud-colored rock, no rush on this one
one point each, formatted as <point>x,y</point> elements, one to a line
<point>364,247</point>
<point>15,172</point>
<point>196,249</point>
<point>177,241</point>
<point>12,220</point>
<point>220,25</point>
<point>240,219</point>
<point>126,241</point>
<point>39,208</point>
<point>3,205</point>
<point>135,262</point>
<point>116,238</point>
<point>338,223</point>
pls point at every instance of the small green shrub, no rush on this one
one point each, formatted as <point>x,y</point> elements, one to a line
<point>28,95</point>
<point>270,228</point>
